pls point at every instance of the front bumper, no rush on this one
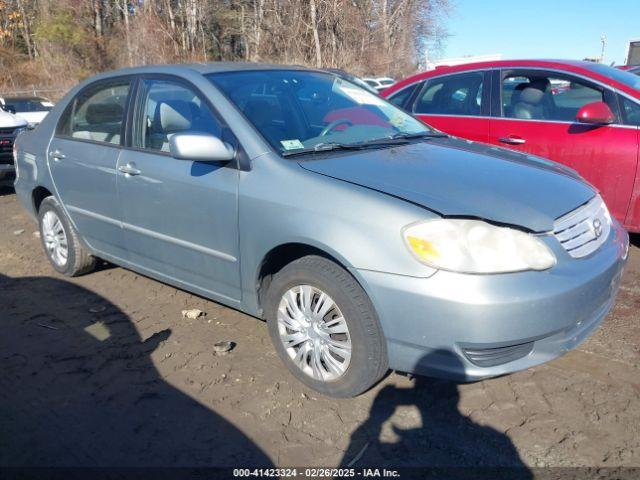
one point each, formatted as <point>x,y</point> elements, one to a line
<point>528,318</point>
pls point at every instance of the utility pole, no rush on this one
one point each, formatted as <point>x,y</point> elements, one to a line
<point>603,40</point>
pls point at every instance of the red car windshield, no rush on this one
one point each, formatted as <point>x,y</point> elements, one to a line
<point>625,77</point>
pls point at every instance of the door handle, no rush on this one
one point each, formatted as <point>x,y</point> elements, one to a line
<point>513,140</point>
<point>129,169</point>
<point>57,155</point>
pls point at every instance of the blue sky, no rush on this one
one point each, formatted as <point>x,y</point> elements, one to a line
<point>542,28</point>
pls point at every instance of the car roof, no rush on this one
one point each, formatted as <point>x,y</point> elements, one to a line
<point>203,68</point>
<point>576,66</point>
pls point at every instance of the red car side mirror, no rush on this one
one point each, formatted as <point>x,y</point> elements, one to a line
<point>596,113</point>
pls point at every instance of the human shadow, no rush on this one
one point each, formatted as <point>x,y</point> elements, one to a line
<point>449,444</point>
<point>78,388</point>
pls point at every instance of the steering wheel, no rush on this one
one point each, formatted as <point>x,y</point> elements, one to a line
<point>334,124</point>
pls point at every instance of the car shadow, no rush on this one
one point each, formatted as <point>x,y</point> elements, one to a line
<point>634,238</point>
<point>78,388</point>
<point>449,442</point>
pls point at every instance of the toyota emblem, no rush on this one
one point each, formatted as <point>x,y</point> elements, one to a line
<point>597,227</point>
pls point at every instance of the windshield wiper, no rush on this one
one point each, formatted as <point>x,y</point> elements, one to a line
<point>418,135</point>
<point>326,147</point>
<point>399,139</point>
<point>396,139</point>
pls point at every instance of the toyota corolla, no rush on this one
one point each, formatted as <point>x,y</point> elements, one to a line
<point>364,238</point>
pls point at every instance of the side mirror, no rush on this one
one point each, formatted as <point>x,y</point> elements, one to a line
<point>200,147</point>
<point>596,113</point>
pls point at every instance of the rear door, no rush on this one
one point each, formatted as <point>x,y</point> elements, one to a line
<point>457,104</point>
<point>82,157</point>
<point>536,114</point>
<point>180,216</point>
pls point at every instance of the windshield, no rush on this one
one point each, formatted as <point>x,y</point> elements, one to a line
<point>300,110</point>
<point>624,77</point>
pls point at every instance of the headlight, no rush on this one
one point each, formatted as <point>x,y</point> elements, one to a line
<point>473,246</point>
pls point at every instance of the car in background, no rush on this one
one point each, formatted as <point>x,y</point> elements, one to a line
<point>582,114</point>
<point>10,126</point>
<point>386,82</point>
<point>379,84</point>
<point>32,109</point>
<point>352,78</point>
<point>635,69</point>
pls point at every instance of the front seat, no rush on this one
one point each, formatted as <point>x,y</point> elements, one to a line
<point>530,102</point>
<point>171,116</point>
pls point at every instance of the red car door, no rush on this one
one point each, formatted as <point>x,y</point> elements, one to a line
<point>536,115</point>
<point>457,104</point>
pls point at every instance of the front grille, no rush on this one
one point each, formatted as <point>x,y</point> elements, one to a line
<point>582,231</point>
<point>7,130</point>
<point>490,357</point>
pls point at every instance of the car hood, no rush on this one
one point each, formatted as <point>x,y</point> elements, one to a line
<point>454,177</point>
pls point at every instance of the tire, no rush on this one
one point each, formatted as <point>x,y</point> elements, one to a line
<point>78,260</point>
<point>335,375</point>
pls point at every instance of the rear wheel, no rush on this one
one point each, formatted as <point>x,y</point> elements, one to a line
<point>60,242</point>
<point>324,327</point>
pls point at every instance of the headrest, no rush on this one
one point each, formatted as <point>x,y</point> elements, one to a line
<point>103,113</point>
<point>534,92</point>
<point>174,116</point>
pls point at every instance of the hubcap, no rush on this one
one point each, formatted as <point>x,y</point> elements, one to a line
<point>55,238</point>
<point>314,332</point>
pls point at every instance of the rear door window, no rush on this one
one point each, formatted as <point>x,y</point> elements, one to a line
<point>452,95</point>
<point>97,113</point>
<point>401,98</point>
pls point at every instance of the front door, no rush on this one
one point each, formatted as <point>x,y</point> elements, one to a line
<point>538,111</point>
<point>180,217</point>
<point>83,156</point>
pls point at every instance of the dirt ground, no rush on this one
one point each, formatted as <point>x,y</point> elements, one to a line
<point>102,370</point>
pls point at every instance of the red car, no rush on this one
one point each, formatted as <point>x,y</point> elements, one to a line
<point>581,114</point>
<point>635,69</point>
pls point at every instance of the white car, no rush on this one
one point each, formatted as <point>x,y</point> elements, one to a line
<point>31,109</point>
<point>380,84</point>
<point>10,126</point>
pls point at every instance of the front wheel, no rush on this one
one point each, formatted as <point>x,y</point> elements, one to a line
<point>324,327</point>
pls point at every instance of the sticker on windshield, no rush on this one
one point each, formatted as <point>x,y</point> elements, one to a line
<point>291,144</point>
